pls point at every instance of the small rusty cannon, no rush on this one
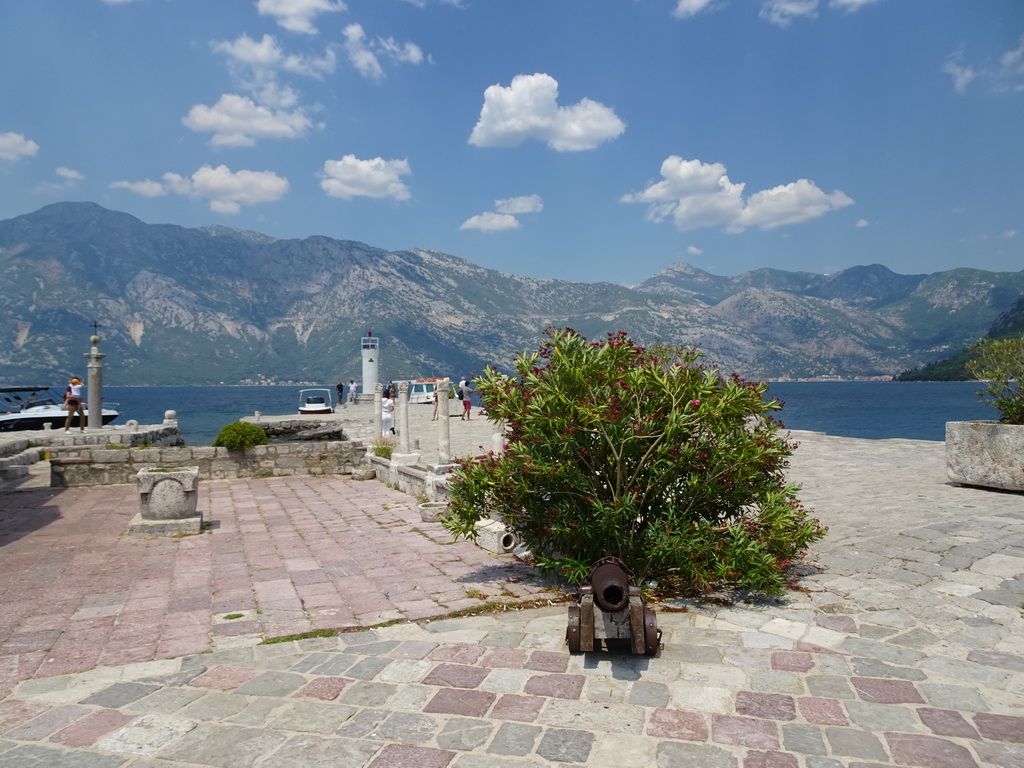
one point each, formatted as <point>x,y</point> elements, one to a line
<point>610,608</point>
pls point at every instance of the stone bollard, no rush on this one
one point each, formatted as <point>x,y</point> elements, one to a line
<point>168,502</point>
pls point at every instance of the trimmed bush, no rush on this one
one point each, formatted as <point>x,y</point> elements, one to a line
<point>647,455</point>
<point>239,435</point>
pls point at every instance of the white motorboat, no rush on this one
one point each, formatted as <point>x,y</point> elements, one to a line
<point>422,390</point>
<point>24,408</point>
<point>316,401</point>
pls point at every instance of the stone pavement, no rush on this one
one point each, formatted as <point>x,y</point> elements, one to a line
<point>903,646</point>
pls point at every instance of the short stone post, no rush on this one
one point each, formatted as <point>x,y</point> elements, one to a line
<point>168,501</point>
<point>403,417</point>
<point>444,434</point>
<point>378,418</point>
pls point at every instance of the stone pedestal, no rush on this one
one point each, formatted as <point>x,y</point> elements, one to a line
<point>985,453</point>
<point>168,500</point>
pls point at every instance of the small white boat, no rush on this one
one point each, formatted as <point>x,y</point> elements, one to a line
<point>25,408</point>
<point>316,401</point>
<point>422,390</point>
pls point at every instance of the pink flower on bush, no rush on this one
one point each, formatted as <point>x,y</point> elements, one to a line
<point>695,403</point>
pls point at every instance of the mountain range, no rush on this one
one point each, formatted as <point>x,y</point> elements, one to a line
<point>211,305</point>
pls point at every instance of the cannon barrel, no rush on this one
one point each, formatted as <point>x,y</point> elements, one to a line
<point>610,581</point>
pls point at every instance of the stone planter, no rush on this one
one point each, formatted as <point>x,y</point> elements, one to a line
<point>432,511</point>
<point>168,500</point>
<point>985,453</point>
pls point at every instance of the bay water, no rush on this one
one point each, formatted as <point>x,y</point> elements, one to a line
<point>868,409</point>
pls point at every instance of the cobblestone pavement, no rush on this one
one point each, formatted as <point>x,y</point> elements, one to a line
<point>904,645</point>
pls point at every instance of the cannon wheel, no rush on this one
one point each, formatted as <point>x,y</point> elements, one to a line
<point>572,631</point>
<point>652,635</point>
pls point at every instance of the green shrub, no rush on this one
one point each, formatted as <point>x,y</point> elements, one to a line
<point>647,455</point>
<point>1000,364</point>
<point>238,436</point>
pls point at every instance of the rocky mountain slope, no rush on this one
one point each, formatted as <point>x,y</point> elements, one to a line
<point>211,305</point>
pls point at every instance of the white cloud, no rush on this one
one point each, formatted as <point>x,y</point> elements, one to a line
<point>14,146</point>
<point>850,6</point>
<point>693,250</point>
<point>362,58</point>
<point>1005,74</point>
<point>696,194</point>
<point>69,174</point>
<point>504,215</point>
<point>1009,234</point>
<point>491,222</point>
<point>237,121</point>
<point>514,205</point>
<point>528,109</point>
<point>351,177</point>
<point>782,12</point>
<point>862,223</point>
<point>146,188</point>
<point>961,73</point>
<point>423,3</point>
<point>298,15</point>
<point>365,54</point>
<point>266,56</point>
<point>791,203</point>
<point>226,190</point>
<point>685,9</point>
<point>69,180</point>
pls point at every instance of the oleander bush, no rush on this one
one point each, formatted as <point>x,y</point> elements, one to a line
<point>239,436</point>
<point>999,363</point>
<point>645,454</point>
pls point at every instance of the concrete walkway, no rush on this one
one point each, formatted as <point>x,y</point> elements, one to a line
<point>904,645</point>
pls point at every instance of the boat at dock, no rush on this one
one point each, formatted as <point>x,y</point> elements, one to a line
<point>28,408</point>
<point>315,401</point>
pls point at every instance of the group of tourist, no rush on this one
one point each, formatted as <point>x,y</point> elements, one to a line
<point>387,405</point>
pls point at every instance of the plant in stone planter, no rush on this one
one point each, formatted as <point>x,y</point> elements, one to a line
<point>989,453</point>
<point>1000,365</point>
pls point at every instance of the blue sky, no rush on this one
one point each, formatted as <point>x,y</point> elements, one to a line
<point>578,139</point>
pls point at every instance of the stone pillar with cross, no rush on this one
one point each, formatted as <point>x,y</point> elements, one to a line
<point>94,380</point>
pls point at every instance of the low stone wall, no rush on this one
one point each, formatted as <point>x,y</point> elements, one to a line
<point>414,480</point>
<point>88,465</point>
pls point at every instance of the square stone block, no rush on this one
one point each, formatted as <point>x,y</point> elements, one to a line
<point>168,494</point>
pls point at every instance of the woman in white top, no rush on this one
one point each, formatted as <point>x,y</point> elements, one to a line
<point>73,403</point>
<point>387,414</point>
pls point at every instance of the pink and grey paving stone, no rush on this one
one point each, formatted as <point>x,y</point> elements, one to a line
<point>903,647</point>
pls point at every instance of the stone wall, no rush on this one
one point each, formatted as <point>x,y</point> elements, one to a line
<point>92,465</point>
<point>414,480</point>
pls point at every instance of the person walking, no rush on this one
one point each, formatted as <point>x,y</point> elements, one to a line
<point>352,386</point>
<point>435,403</point>
<point>73,403</point>
<point>387,414</point>
<point>467,400</point>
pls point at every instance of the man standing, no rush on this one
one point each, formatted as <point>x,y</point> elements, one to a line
<point>352,387</point>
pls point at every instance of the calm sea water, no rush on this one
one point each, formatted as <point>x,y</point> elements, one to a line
<point>918,410</point>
